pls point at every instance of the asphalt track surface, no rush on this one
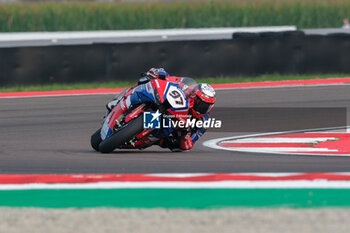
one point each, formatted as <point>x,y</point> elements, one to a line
<point>52,134</point>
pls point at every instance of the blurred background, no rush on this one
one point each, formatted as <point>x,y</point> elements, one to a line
<point>35,15</point>
<point>46,42</point>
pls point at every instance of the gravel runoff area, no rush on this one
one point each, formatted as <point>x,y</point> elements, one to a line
<point>174,220</point>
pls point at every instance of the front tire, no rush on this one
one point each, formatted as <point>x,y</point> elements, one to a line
<point>96,139</point>
<point>125,134</point>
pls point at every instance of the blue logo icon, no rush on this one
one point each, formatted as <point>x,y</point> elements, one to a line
<point>151,120</point>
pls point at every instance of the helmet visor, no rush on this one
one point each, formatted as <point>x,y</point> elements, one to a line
<point>200,106</point>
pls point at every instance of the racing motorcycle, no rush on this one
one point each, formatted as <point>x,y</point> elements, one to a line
<point>123,127</point>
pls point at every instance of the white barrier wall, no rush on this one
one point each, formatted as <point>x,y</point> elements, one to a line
<point>126,36</point>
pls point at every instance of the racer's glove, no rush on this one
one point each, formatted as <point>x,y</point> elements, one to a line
<point>143,80</point>
<point>111,105</point>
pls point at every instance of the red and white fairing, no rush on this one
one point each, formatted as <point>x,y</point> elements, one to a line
<point>162,91</point>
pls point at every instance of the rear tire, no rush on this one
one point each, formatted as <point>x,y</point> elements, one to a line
<point>125,134</point>
<point>96,139</point>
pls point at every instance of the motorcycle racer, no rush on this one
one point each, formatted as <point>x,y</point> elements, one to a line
<point>201,100</point>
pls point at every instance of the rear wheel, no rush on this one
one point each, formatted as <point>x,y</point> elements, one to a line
<point>125,134</point>
<point>96,139</point>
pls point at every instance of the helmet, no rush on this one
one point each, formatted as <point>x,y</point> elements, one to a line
<point>204,97</point>
<point>155,73</point>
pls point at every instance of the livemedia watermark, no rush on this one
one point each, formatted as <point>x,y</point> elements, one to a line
<point>155,120</point>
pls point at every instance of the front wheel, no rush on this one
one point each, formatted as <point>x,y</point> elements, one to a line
<point>96,139</point>
<point>125,134</point>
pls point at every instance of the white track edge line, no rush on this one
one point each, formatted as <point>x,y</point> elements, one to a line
<point>302,184</point>
<point>213,143</point>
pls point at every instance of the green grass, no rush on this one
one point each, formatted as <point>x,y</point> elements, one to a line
<point>75,86</point>
<point>67,16</point>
